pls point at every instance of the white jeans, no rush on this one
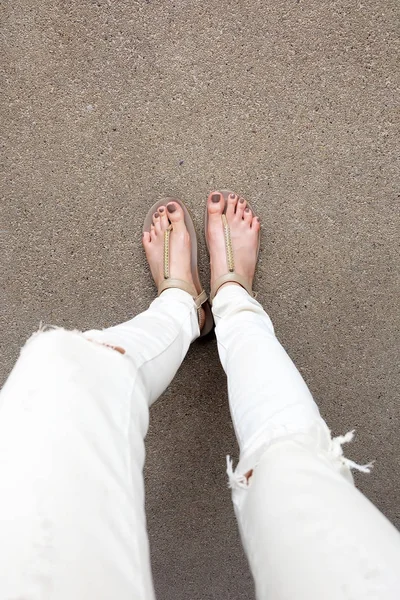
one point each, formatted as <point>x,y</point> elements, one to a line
<point>73,417</point>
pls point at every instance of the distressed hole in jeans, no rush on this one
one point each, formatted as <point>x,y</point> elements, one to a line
<point>117,348</point>
<point>248,475</point>
<point>234,479</point>
<point>334,451</point>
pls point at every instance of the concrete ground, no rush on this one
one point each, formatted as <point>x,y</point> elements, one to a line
<point>110,105</point>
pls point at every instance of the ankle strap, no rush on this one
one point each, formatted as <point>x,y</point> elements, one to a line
<point>180,284</point>
<point>230,278</point>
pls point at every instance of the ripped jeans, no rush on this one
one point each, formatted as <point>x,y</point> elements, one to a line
<point>73,416</point>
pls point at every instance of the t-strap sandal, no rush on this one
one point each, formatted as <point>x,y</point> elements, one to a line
<point>231,276</point>
<point>206,321</point>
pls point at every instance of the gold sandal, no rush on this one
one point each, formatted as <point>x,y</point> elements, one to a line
<point>206,321</point>
<point>231,276</point>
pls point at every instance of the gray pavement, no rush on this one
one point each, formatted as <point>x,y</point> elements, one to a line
<point>110,105</point>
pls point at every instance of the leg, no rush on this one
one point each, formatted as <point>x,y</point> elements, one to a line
<point>308,533</point>
<point>151,338</point>
<point>73,416</point>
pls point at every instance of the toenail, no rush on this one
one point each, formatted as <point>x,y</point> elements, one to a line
<point>258,219</point>
<point>215,198</point>
<point>247,209</point>
<point>161,209</point>
<point>156,215</point>
<point>232,196</point>
<point>241,200</point>
<point>171,208</point>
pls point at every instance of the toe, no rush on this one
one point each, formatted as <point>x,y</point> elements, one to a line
<point>247,216</point>
<point>215,203</point>
<point>175,214</point>
<point>255,224</point>
<point>153,233</point>
<point>162,211</point>
<point>231,207</point>
<point>146,239</point>
<point>157,222</point>
<point>156,217</point>
<point>240,207</point>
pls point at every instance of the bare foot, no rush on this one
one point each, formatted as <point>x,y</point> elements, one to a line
<point>179,255</point>
<point>245,232</point>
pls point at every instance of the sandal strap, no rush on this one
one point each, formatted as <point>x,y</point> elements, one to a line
<point>201,299</point>
<point>228,244</point>
<point>185,286</point>
<point>230,278</point>
<point>180,284</point>
<point>167,234</point>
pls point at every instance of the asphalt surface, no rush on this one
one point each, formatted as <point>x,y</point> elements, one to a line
<point>108,106</point>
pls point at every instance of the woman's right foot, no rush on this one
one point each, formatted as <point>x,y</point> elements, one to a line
<point>171,215</point>
<point>244,231</point>
<point>153,242</point>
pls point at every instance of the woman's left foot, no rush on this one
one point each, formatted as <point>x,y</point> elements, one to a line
<point>244,229</point>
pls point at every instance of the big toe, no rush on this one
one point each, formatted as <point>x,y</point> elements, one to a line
<point>175,214</point>
<point>215,204</point>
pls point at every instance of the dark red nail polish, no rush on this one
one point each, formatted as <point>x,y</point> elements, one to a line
<point>215,198</point>
<point>161,209</point>
<point>241,200</point>
<point>247,210</point>
<point>232,196</point>
<point>171,208</point>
